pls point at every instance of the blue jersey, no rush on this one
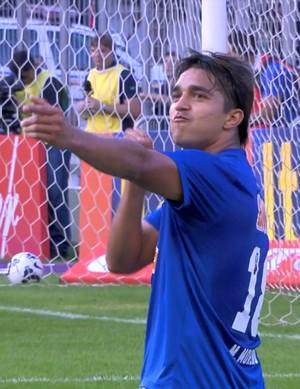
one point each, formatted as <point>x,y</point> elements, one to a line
<point>209,278</point>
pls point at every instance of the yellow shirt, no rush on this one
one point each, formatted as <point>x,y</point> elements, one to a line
<point>35,89</point>
<point>105,86</point>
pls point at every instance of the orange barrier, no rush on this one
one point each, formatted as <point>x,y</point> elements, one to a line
<point>95,209</point>
<point>23,200</point>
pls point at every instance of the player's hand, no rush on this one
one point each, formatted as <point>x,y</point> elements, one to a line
<point>139,136</point>
<point>47,123</point>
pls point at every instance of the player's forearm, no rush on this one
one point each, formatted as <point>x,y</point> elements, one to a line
<point>124,246</point>
<point>124,158</point>
<point>117,157</point>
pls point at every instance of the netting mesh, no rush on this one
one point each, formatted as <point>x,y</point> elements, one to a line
<point>149,37</point>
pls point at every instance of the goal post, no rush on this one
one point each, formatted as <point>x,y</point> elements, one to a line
<point>59,33</point>
<point>214,26</point>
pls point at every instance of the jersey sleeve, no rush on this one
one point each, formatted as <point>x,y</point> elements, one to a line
<point>207,181</point>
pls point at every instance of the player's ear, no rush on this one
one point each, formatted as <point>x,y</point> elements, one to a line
<point>233,118</point>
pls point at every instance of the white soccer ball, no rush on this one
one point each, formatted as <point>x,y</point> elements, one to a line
<point>25,268</point>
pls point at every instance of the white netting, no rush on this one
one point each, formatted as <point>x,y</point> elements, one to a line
<point>58,34</point>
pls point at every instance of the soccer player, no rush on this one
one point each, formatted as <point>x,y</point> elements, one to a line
<point>208,238</point>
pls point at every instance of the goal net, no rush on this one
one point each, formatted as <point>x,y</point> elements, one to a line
<point>149,37</point>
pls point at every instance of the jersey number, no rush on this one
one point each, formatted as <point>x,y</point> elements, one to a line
<point>242,319</point>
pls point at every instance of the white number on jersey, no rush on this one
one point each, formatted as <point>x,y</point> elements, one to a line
<point>242,319</point>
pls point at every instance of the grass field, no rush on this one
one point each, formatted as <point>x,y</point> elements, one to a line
<point>75,337</point>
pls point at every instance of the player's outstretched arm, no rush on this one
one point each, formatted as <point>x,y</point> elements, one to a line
<point>124,158</point>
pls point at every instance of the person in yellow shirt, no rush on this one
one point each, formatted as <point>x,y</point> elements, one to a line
<point>111,103</point>
<point>39,82</point>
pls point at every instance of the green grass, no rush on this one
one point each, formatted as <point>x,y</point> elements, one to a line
<point>78,337</point>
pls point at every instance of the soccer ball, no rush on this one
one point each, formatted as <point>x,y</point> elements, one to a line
<point>25,268</point>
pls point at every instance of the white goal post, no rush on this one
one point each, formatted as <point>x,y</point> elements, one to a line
<point>58,35</point>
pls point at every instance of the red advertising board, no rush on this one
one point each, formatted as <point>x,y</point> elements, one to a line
<point>23,200</point>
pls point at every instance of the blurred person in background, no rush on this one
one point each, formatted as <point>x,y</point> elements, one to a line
<point>39,82</point>
<point>276,90</point>
<point>111,103</point>
<point>161,94</point>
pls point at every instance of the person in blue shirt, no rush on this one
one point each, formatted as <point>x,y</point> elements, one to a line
<point>276,89</point>
<point>207,241</point>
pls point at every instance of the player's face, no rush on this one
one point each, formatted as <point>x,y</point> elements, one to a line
<point>102,57</point>
<point>197,114</point>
